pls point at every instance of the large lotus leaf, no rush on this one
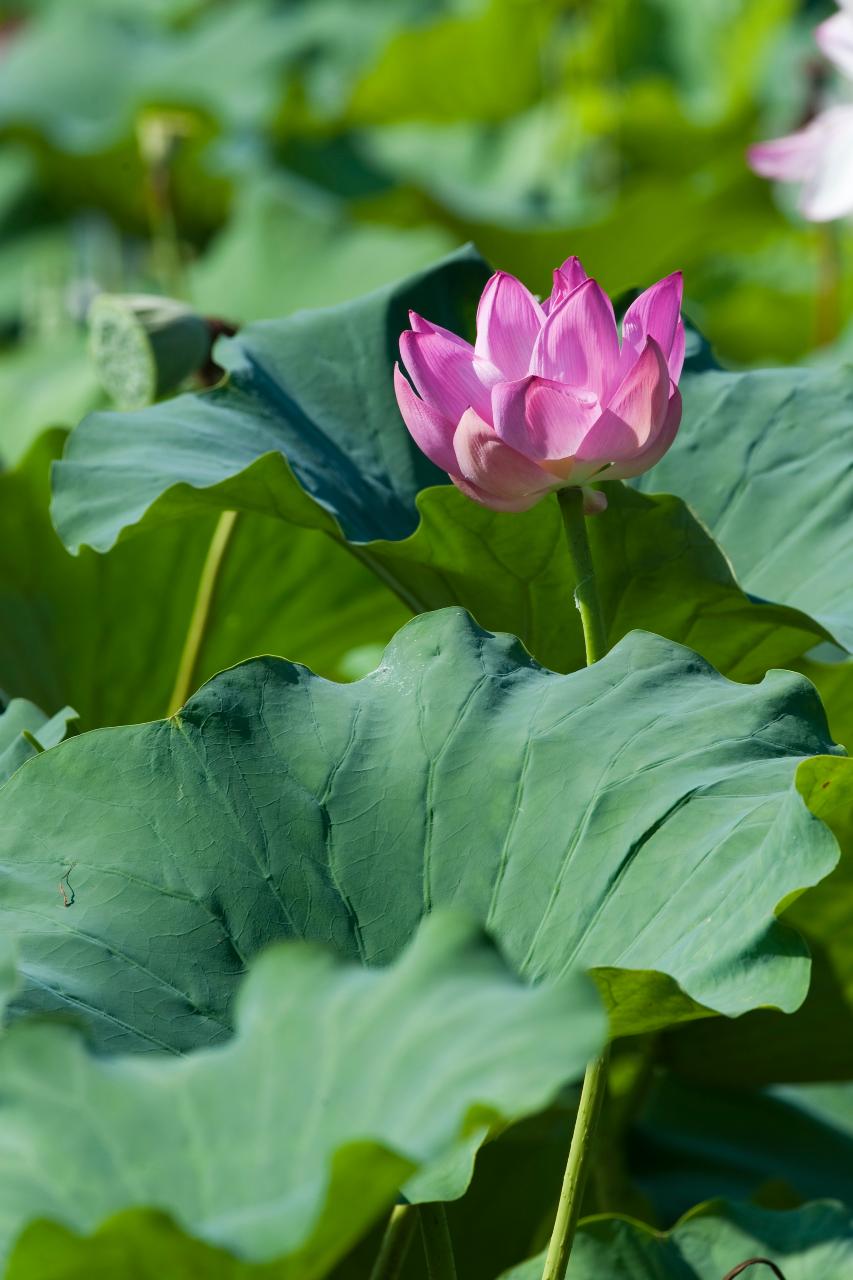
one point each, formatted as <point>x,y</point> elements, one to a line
<point>639,815</point>
<point>780,1146</point>
<point>516,1181</point>
<point>710,1241</point>
<point>338,1085</point>
<point>105,633</point>
<point>816,1042</point>
<point>25,731</point>
<point>764,458</point>
<point>310,400</point>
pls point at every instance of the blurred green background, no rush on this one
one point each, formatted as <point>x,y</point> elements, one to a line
<point>259,156</point>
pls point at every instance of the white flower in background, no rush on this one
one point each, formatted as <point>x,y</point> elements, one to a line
<point>819,156</point>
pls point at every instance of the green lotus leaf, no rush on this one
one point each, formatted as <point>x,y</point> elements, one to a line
<point>777,444</point>
<point>710,1241</point>
<point>141,1243</point>
<point>307,430</point>
<point>25,731</point>
<point>816,1042</point>
<point>8,973</point>
<point>338,1085</point>
<point>640,815</point>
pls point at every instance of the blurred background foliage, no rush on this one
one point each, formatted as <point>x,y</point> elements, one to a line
<point>267,155</point>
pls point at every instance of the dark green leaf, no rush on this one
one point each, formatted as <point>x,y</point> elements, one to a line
<point>815,1241</point>
<point>780,1146</point>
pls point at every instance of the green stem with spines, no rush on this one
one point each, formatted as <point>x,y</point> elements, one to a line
<point>595,1079</point>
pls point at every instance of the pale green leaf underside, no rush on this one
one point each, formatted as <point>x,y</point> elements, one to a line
<point>287,1142</point>
<point>639,815</point>
<point>815,1241</point>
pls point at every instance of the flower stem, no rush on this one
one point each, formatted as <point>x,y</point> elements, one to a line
<point>197,629</point>
<point>586,592</point>
<point>595,1079</point>
<point>577,1170</point>
<point>438,1247</point>
<point>395,1243</point>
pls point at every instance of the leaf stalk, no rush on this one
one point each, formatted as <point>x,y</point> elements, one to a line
<point>395,1243</point>
<point>438,1247</point>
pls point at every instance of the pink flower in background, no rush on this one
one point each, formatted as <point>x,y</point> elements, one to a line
<point>820,156</point>
<point>547,397</point>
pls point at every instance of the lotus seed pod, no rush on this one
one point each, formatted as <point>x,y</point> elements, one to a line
<point>144,346</point>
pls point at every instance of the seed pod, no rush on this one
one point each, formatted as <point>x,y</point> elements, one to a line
<point>144,346</point>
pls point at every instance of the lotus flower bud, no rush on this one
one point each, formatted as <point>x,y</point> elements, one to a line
<point>548,397</point>
<point>145,346</point>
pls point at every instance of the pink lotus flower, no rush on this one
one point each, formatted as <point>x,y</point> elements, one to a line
<point>547,397</point>
<point>820,156</point>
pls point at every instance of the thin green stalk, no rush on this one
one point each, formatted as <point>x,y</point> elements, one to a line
<point>577,1170</point>
<point>438,1247</point>
<point>586,592</point>
<point>159,134</point>
<point>395,1243</point>
<point>595,1079</point>
<point>201,610</point>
